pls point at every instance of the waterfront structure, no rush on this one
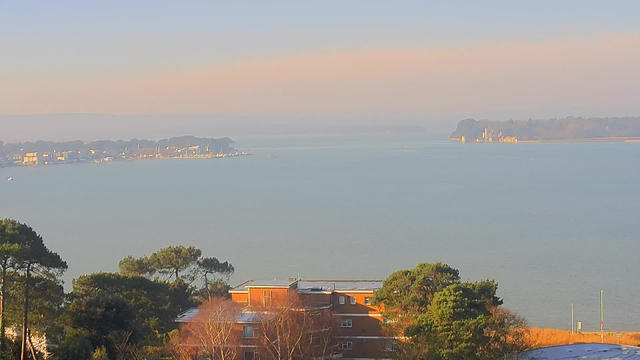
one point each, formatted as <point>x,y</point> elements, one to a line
<point>358,322</point>
<point>488,136</point>
<point>100,156</point>
<point>509,139</point>
<point>31,159</point>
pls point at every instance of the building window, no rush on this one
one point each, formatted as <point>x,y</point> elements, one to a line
<point>250,355</point>
<point>346,323</point>
<point>341,300</point>
<point>267,297</point>
<point>346,345</point>
<point>367,300</point>
<point>352,299</point>
<point>248,332</point>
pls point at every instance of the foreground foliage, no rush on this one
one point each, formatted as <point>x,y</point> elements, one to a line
<point>112,316</point>
<point>130,315</point>
<point>439,317</point>
<point>30,289</point>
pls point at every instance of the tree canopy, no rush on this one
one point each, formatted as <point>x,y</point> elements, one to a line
<point>184,264</point>
<point>220,273</point>
<point>125,315</point>
<point>105,307</point>
<point>441,317</point>
<point>173,260</point>
<point>411,291</point>
<point>136,267</point>
<point>28,267</point>
<point>130,314</point>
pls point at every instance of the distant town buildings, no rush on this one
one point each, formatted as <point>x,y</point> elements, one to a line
<point>31,158</point>
<point>97,156</point>
<point>47,152</point>
<point>488,135</point>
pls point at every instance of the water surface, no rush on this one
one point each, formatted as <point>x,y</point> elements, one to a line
<point>552,223</point>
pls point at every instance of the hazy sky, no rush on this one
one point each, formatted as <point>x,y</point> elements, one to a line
<point>301,61</point>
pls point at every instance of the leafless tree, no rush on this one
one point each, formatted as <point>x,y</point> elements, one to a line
<point>324,328</point>
<point>291,329</point>
<point>176,350</point>
<point>214,330</point>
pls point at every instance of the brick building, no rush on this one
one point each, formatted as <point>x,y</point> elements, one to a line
<point>358,332</point>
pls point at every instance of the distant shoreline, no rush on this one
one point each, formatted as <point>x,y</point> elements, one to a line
<point>629,139</point>
<point>600,139</point>
<point>214,156</point>
<point>41,153</point>
<point>569,129</point>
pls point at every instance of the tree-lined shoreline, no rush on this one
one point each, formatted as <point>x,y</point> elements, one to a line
<point>49,152</point>
<point>563,129</point>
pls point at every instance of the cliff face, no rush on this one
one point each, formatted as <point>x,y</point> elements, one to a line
<point>552,129</point>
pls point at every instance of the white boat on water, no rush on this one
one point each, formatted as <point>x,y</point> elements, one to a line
<point>9,178</point>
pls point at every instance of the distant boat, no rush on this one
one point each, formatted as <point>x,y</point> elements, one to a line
<point>9,178</point>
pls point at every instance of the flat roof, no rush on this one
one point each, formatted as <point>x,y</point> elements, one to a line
<point>276,283</point>
<point>245,317</point>
<point>312,285</point>
<point>339,285</point>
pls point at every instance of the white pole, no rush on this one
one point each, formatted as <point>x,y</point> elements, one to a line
<point>572,319</point>
<point>602,316</point>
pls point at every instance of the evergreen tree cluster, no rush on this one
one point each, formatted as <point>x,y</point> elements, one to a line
<point>442,318</point>
<point>552,129</point>
<point>111,316</point>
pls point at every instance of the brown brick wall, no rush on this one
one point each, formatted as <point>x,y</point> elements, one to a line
<point>239,297</point>
<point>274,295</point>
<point>361,326</point>
<point>358,308</point>
<point>365,348</point>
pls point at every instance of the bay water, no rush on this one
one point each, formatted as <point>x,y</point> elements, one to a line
<point>552,223</point>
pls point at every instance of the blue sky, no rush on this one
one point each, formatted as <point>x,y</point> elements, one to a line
<point>53,51</point>
<point>199,32</point>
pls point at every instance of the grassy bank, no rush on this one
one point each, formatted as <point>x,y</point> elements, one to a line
<point>537,337</point>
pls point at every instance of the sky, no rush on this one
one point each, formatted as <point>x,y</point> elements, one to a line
<point>130,68</point>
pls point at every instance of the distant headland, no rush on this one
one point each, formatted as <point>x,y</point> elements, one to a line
<point>568,129</point>
<point>48,152</point>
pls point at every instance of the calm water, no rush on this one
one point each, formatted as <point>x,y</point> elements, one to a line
<point>552,223</point>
